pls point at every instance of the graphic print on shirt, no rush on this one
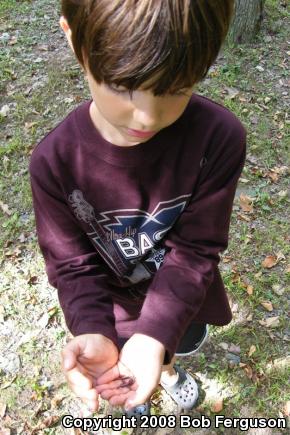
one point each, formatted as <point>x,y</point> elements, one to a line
<point>129,239</point>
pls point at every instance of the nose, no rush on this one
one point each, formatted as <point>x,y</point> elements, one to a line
<point>147,112</point>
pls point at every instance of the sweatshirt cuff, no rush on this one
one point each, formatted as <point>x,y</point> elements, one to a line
<point>159,321</point>
<point>95,328</point>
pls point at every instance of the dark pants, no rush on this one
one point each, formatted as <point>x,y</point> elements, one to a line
<point>193,336</point>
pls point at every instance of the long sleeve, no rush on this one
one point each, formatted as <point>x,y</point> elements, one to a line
<point>169,198</point>
<point>179,288</point>
<point>72,263</point>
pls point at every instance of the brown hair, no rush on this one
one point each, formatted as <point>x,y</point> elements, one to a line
<point>171,43</point>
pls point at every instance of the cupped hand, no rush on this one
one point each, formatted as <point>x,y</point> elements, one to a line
<point>142,356</point>
<point>84,359</point>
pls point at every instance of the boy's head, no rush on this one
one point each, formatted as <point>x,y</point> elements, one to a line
<point>142,58</point>
<point>165,44</point>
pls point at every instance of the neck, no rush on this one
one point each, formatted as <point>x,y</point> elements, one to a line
<point>106,130</point>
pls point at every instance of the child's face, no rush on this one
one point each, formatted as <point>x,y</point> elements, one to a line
<point>125,120</point>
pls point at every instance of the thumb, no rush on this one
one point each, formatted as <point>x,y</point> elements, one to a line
<point>69,355</point>
<point>109,376</point>
<point>118,371</point>
<point>138,397</point>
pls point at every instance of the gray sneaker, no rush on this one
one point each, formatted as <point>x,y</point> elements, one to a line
<point>138,411</point>
<point>185,391</point>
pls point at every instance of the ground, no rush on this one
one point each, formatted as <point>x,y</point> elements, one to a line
<point>243,370</point>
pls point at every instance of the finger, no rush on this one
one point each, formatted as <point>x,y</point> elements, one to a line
<point>138,397</point>
<point>69,355</point>
<point>119,400</point>
<point>109,376</point>
<point>90,400</point>
<point>76,378</point>
<point>86,395</point>
<point>93,405</point>
<point>118,371</point>
<point>119,383</point>
<point>107,394</point>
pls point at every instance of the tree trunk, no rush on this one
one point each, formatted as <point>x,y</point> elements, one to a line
<point>246,21</point>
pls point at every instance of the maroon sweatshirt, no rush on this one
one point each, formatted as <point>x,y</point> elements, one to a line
<point>131,236</point>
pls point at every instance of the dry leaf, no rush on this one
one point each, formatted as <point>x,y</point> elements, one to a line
<point>5,208</point>
<point>244,283</point>
<point>280,256</point>
<point>273,176</point>
<point>278,289</point>
<point>56,401</point>
<point>243,217</point>
<point>281,363</point>
<point>13,253</point>
<point>270,261</point>
<point>33,396</point>
<point>22,238</point>
<point>286,409</point>
<point>43,321</point>
<point>270,322</point>
<point>250,290</point>
<point>5,431</point>
<point>282,170</point>
<point>272,337</point>
<point>217,406</point>
<point>232,93</point>
<point>246,203</point>
<point>223,345</point>
<point>47,422</point>
<point>43,47</point>
<point>283,193</point>
<point>52,311</point>
<point>32,280</point>
<point>32,300</point>
<point>249,371</point>
<point>7,384</point>
<point>29,125</point>
<point>252,350</point>
<point>267,305</point>
<point>2,312</point>
<point>3,408</point>
<point>13,40</point>
<point>248,239</point>
<point>4,111</point>
<point>236,276</point>
<point>260,68</point>
<point>258,275</point>
<point>287,270</point>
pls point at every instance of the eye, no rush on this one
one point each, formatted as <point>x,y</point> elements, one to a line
<point>184,92</point>
<point>117,90</point>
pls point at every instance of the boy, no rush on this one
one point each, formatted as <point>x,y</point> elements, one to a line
<point>133,193</point>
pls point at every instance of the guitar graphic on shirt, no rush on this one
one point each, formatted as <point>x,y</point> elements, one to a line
<point>129,239</point>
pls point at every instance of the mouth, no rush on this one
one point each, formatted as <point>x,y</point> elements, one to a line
<point>140,133</point>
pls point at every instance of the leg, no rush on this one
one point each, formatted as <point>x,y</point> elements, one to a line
<point>168,374</point>
<point>179,384</point>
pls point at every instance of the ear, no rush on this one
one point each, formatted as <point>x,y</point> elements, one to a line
<point>65,27</point>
